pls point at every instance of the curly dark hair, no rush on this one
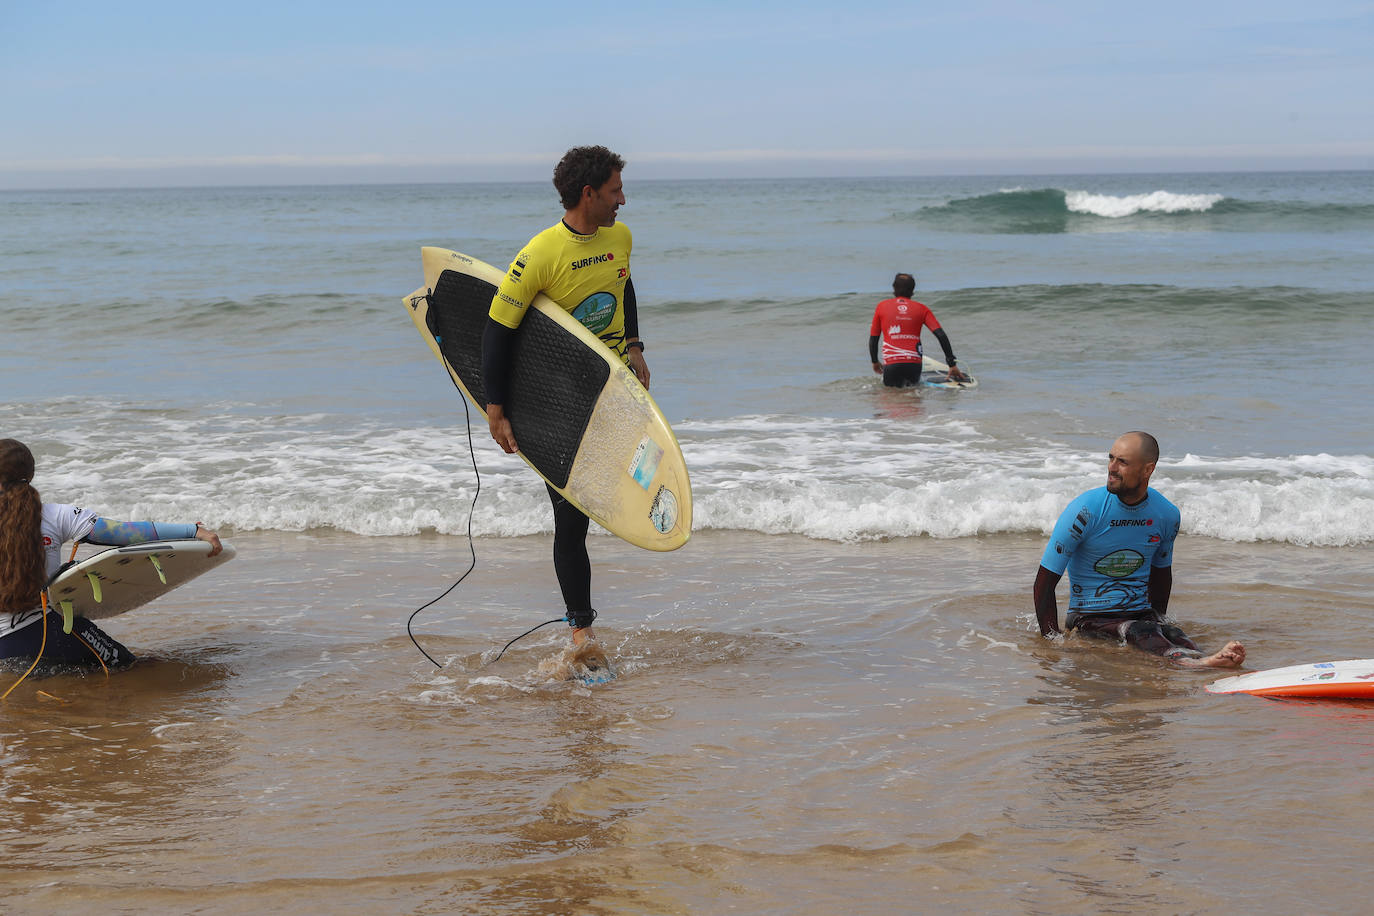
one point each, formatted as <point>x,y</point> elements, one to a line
<point>583,166</point>
<point>904,286</point>
<point>23,571</point>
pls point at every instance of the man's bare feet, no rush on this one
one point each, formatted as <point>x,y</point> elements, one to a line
<point>1232,655</point>
<point>587,650</point>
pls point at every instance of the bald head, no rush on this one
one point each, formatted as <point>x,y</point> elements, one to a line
<point>1146,443</point>
<point>1130,464</point>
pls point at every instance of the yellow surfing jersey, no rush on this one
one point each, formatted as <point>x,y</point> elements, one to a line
<point>586,274</point>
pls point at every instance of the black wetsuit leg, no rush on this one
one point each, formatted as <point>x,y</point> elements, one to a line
<point>902,375</point>
<point>1145,630</point>
<point>571,563</point>
<point>87,644</point>
<point>1158,638</point>
<point>1177,638</point>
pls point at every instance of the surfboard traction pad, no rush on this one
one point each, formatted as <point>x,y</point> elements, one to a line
<point>553,386</point>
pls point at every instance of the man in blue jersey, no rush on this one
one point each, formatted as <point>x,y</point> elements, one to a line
<point>1117,543</point>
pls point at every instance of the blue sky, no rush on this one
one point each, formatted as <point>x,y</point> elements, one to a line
<point>150,93</point>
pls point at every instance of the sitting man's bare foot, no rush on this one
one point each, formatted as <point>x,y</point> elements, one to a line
<point>1232,655</point>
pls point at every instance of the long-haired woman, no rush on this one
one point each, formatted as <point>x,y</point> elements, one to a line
<point>32,533</point>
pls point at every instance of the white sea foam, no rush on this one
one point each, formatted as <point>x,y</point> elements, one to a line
<point>843,480</point>
<point>859,480</point>
<point>1114,207</point>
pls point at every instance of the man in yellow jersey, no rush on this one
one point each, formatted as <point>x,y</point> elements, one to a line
<point>582,263</point>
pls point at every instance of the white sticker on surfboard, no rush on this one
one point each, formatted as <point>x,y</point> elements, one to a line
<point>644,465</point>
<point>663,510</point>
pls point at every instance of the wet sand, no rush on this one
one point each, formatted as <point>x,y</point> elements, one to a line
<point>798,726</point>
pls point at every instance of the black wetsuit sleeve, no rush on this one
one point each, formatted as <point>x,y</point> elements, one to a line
<point>1046,608</point>
<point>1160,585</point>
<point>873,348</point>
<point>498,347</point>
<point>631,311</point>
<point>941,336</point>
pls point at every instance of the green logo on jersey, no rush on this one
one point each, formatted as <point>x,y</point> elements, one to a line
<point>595,312</point>
<point>1119,565</point>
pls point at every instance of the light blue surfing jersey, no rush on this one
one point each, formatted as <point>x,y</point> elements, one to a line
<point>1109,549</point>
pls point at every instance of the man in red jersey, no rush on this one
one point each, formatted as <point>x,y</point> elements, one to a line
<point>898,323</point>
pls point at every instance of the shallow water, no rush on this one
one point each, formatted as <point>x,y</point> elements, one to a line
<point>834,698</point>
<point>796,727</point>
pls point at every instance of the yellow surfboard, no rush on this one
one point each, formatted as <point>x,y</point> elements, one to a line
<point>584,422</point>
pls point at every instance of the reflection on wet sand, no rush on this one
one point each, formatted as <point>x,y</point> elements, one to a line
<point>90,752</point>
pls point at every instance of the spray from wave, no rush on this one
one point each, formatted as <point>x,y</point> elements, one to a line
<point>1051,210</point>
<point>1113,207</point>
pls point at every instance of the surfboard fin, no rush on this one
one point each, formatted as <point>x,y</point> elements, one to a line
<point>95,587</point>
<point>68,618</point>
<point>152,557</point>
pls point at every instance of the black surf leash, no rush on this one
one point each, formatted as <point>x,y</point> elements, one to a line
<point>472,454</point>
<point>522,636</point>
